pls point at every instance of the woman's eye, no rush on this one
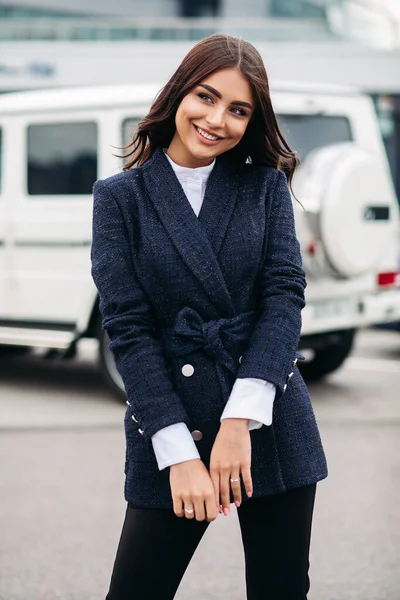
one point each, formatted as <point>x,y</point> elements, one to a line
<point>236,111</point>
<point>240,112</point>
<point>205,97</point>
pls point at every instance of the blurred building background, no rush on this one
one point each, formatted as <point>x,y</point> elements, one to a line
<point>300,39</point>
<point>375,21</point>
<point>47,43</point>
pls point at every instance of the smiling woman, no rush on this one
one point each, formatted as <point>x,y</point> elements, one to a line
<point>220,90</point>
<point>201,288</point>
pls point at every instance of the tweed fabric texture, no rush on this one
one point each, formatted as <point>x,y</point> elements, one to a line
<point>161,272</point>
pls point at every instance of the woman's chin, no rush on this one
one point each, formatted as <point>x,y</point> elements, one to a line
<point>201,152</point>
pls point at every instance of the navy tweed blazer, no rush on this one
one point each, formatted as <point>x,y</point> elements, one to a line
<point>222,292</point>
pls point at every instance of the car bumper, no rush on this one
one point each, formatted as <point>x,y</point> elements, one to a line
<point>352,311</point>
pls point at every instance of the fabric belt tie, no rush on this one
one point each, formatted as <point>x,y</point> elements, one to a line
<point>224,340</point>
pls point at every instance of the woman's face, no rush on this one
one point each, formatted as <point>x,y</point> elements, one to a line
<point>212,118</point>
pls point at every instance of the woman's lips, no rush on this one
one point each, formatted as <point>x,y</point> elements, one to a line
<point>203,139</point>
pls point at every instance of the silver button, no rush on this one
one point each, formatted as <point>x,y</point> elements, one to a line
<point>285,387</point>
<point>187,370</point>
<point>141,431</point>
<point>128,403</point>
<point>134,418</point>
<point>290,376</point>
<point>240,359</point>
<point>197,435</point>
<point>295,362</point>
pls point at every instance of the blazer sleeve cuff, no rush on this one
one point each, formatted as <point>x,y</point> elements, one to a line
<point>173,444</point>
<point>251,399</point>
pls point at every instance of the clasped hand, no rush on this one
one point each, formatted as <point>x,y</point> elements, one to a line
<point>204,494</point>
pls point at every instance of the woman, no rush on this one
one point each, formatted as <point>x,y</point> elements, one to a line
<point>201,287</point>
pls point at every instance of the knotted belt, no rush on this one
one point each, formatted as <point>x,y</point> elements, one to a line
<point>224,340</point>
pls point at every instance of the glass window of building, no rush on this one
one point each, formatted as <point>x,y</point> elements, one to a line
<point>62,158</point>
<point>200,8</point>
<point>305,133</point>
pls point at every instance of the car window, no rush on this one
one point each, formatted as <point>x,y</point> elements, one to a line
<point>128,130</point>
<point>305,133</point>
<point>129,127</point>
<point>62,158</point>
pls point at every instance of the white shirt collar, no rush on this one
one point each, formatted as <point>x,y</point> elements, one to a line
<point>188,172</point>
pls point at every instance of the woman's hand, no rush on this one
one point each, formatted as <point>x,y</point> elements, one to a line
<point>231,459</point>
<point>192,489</point>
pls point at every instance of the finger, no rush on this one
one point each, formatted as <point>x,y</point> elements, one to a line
<point>247,481</point>
<point>211,509</point>
<point>224,491</point>
<point>199,510</point>
<point>189,511</point>
<point>178,506</point>
<point>236,489</point>
<point>188,508</point>
<point>214,474</point>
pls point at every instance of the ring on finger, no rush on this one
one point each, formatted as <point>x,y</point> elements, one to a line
<point>189,511</point>
<point>234,480</point>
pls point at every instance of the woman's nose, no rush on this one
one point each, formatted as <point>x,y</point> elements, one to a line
<point>216,118</point>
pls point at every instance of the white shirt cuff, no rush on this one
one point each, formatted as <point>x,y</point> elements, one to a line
<point>251,399</point>
<point>173,444</point>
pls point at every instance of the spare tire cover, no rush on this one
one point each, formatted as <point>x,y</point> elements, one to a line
<point>353,195</point>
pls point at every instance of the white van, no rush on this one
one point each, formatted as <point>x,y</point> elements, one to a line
<point>55,143</point>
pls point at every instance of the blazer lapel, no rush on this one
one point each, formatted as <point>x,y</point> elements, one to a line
<point>185,229</point>
<point>219,202</point>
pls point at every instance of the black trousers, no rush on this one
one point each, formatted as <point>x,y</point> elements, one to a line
<point>156,547</point>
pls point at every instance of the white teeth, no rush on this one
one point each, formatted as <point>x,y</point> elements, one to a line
<point>206,135</point>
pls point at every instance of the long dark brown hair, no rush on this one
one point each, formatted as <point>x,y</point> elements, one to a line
<point>262,142</point>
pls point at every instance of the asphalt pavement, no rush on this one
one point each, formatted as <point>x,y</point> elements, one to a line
<point>61,484</point>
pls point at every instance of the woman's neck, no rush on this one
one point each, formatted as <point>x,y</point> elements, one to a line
<point>182,157</point>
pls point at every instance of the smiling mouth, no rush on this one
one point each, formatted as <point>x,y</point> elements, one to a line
<point>206,135</point>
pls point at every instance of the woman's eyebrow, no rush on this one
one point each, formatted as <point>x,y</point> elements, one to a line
<point>219,95</point>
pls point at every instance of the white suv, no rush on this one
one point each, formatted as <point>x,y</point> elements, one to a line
<point>55,143</point>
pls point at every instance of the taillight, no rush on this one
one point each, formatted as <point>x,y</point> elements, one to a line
<point>390,279</point>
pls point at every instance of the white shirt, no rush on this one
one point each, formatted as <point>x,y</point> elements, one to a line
<point>250,398</point>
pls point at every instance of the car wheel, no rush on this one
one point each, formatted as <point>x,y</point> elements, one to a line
<point>327,359</point>
<point>10,351</point>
